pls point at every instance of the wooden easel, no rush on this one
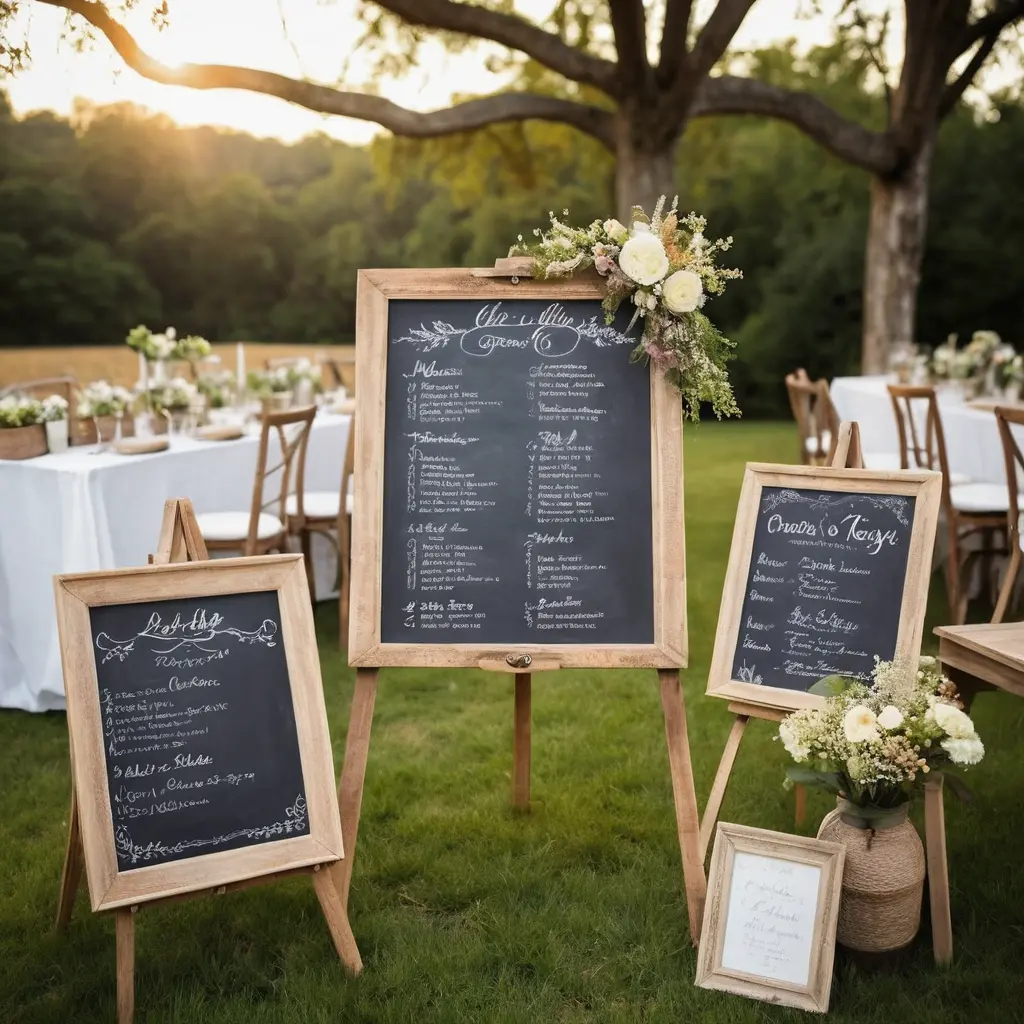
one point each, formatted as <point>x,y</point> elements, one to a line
<point>181,541</point>
<point>357,747</point>
<point>847,455</point>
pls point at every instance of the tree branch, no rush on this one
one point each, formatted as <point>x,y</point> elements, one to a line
<point>992,23</point>
<point>630,28</point>
<point>955,89</point>
<point>717,33</point>
<point>674,36</point>
<point>848,140</point>
<point>512,31</point>
<point>463,117</point>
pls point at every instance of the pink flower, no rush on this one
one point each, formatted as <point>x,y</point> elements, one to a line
<point>602,264</point>
<point>663,358</point>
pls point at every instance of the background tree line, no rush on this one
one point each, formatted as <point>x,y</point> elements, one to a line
<point>117,216</point>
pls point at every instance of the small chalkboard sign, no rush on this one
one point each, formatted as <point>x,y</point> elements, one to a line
<point>829,570</point>
<point>199,734</point>
<point>518,481</point>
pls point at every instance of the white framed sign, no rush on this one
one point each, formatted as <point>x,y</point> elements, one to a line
<point>770,920</point>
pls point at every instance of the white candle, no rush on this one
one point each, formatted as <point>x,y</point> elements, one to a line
<point>240,368</point>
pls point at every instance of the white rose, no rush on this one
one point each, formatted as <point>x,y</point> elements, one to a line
<point>682,291</point>
<point>616,231</point>
<point>952,720</point>
<point>643,259</point>
<point>860,724</point>
<point>964,749</point>
<point>890,717</point>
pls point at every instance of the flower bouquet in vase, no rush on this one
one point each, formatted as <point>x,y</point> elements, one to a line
<point>174,402</point>
<point>55,421</point>
<point>22,435</point>
<point>101,411</point>
<point>306,379</point>
<point>874,747</point>
<point>273,388</point>
<point>155,349</point>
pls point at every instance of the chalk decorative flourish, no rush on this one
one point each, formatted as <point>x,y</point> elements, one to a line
<point>893,503</point>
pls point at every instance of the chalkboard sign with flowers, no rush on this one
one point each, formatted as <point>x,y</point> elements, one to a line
<point>667,268</point>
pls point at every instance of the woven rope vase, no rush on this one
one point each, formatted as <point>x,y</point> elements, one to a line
<point>883,879</point>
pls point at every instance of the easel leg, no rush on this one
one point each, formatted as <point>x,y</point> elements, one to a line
<point>353,772</point>
<point>721,783</point>
<point>938,873</point>
<point>337,921</point>
<point>521,743</point>
<point>72,866</point>
<point>684,797</point>
<point>124,922</point>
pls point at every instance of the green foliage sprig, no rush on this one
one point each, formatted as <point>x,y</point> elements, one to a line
<point>666,267</point>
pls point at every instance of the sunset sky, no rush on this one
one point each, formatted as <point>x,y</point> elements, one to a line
<point>319,38</point>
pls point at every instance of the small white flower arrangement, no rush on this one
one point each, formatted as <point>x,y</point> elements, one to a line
<point>55,409</point>
<point>874,745</point>
<point>100,398</point>
<point>218,386</point>
<point>153,346</point>
<point>177,395</point>
<point>20,411</point>
<point>192,348</point>
<point>265,382</point>
<point>666,267</point>
<point>305,370</point>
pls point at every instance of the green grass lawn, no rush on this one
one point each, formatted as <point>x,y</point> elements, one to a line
<point>465,911</point>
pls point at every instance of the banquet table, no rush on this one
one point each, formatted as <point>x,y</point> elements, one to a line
<point>80,511</point>
<point>972,436</point>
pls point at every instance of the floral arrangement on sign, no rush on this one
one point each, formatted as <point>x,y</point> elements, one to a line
<point>218,386</point>
<point>101,398</point>
<point>874,745</point>
<point>177,395</point>
<point>665,266</point>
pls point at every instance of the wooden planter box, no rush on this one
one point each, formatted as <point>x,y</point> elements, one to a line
<point>84,431</point>
<point>22,442</point>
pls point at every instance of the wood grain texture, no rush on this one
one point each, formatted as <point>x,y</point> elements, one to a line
<point>374,290</point>
<point>938,871</point>
<point>353,774</point>
<point>684,798</point>
<point>72,873</point>
<point>76,594</point>
<point>337,921</point>
<point>521,742</point>
<point>721,783</point>
<point>925,487</point>
<point>124,927</point>
<point>829,857</point>
<point>991,652</point>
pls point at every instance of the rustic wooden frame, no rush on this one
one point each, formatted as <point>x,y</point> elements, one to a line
<point>375,289</point>
<point>76,595</point>
<point>925,487</point>
<point>829,857</point>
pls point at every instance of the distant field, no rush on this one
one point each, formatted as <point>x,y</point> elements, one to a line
<point>120,365</point>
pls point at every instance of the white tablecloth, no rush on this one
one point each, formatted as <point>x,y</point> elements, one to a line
<point>79,512</point>
<point>972,436</point>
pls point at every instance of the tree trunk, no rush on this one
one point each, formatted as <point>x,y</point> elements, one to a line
<point>642,174</point>
<point>892,263</point>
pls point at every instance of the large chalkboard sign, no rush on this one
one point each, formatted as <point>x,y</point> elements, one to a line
<point>199,735</point>
<point>518,481</point>
<point>829,570</point>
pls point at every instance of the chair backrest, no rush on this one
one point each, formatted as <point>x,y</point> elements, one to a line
<point>1014,467</point>
<point>815,415</point>
<point>43,387</point>
<point>919,425</point>
<point>292,428</point>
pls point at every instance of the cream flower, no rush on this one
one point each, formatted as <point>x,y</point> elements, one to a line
<point>964,749</point>
<point>643,259</point>
<point>682,291</point>
<point>616,231</point>
<point>890,717</point>
<point>640,227</point>
<point>952,720</point>
<point>860,724</point>
<point>791,740</point>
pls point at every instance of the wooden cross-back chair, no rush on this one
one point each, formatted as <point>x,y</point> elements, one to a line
<point>816,419</point>
<point>970,509</point>
<point>328,513</point>
<point>1007,418</point>
<point>264,528</point>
